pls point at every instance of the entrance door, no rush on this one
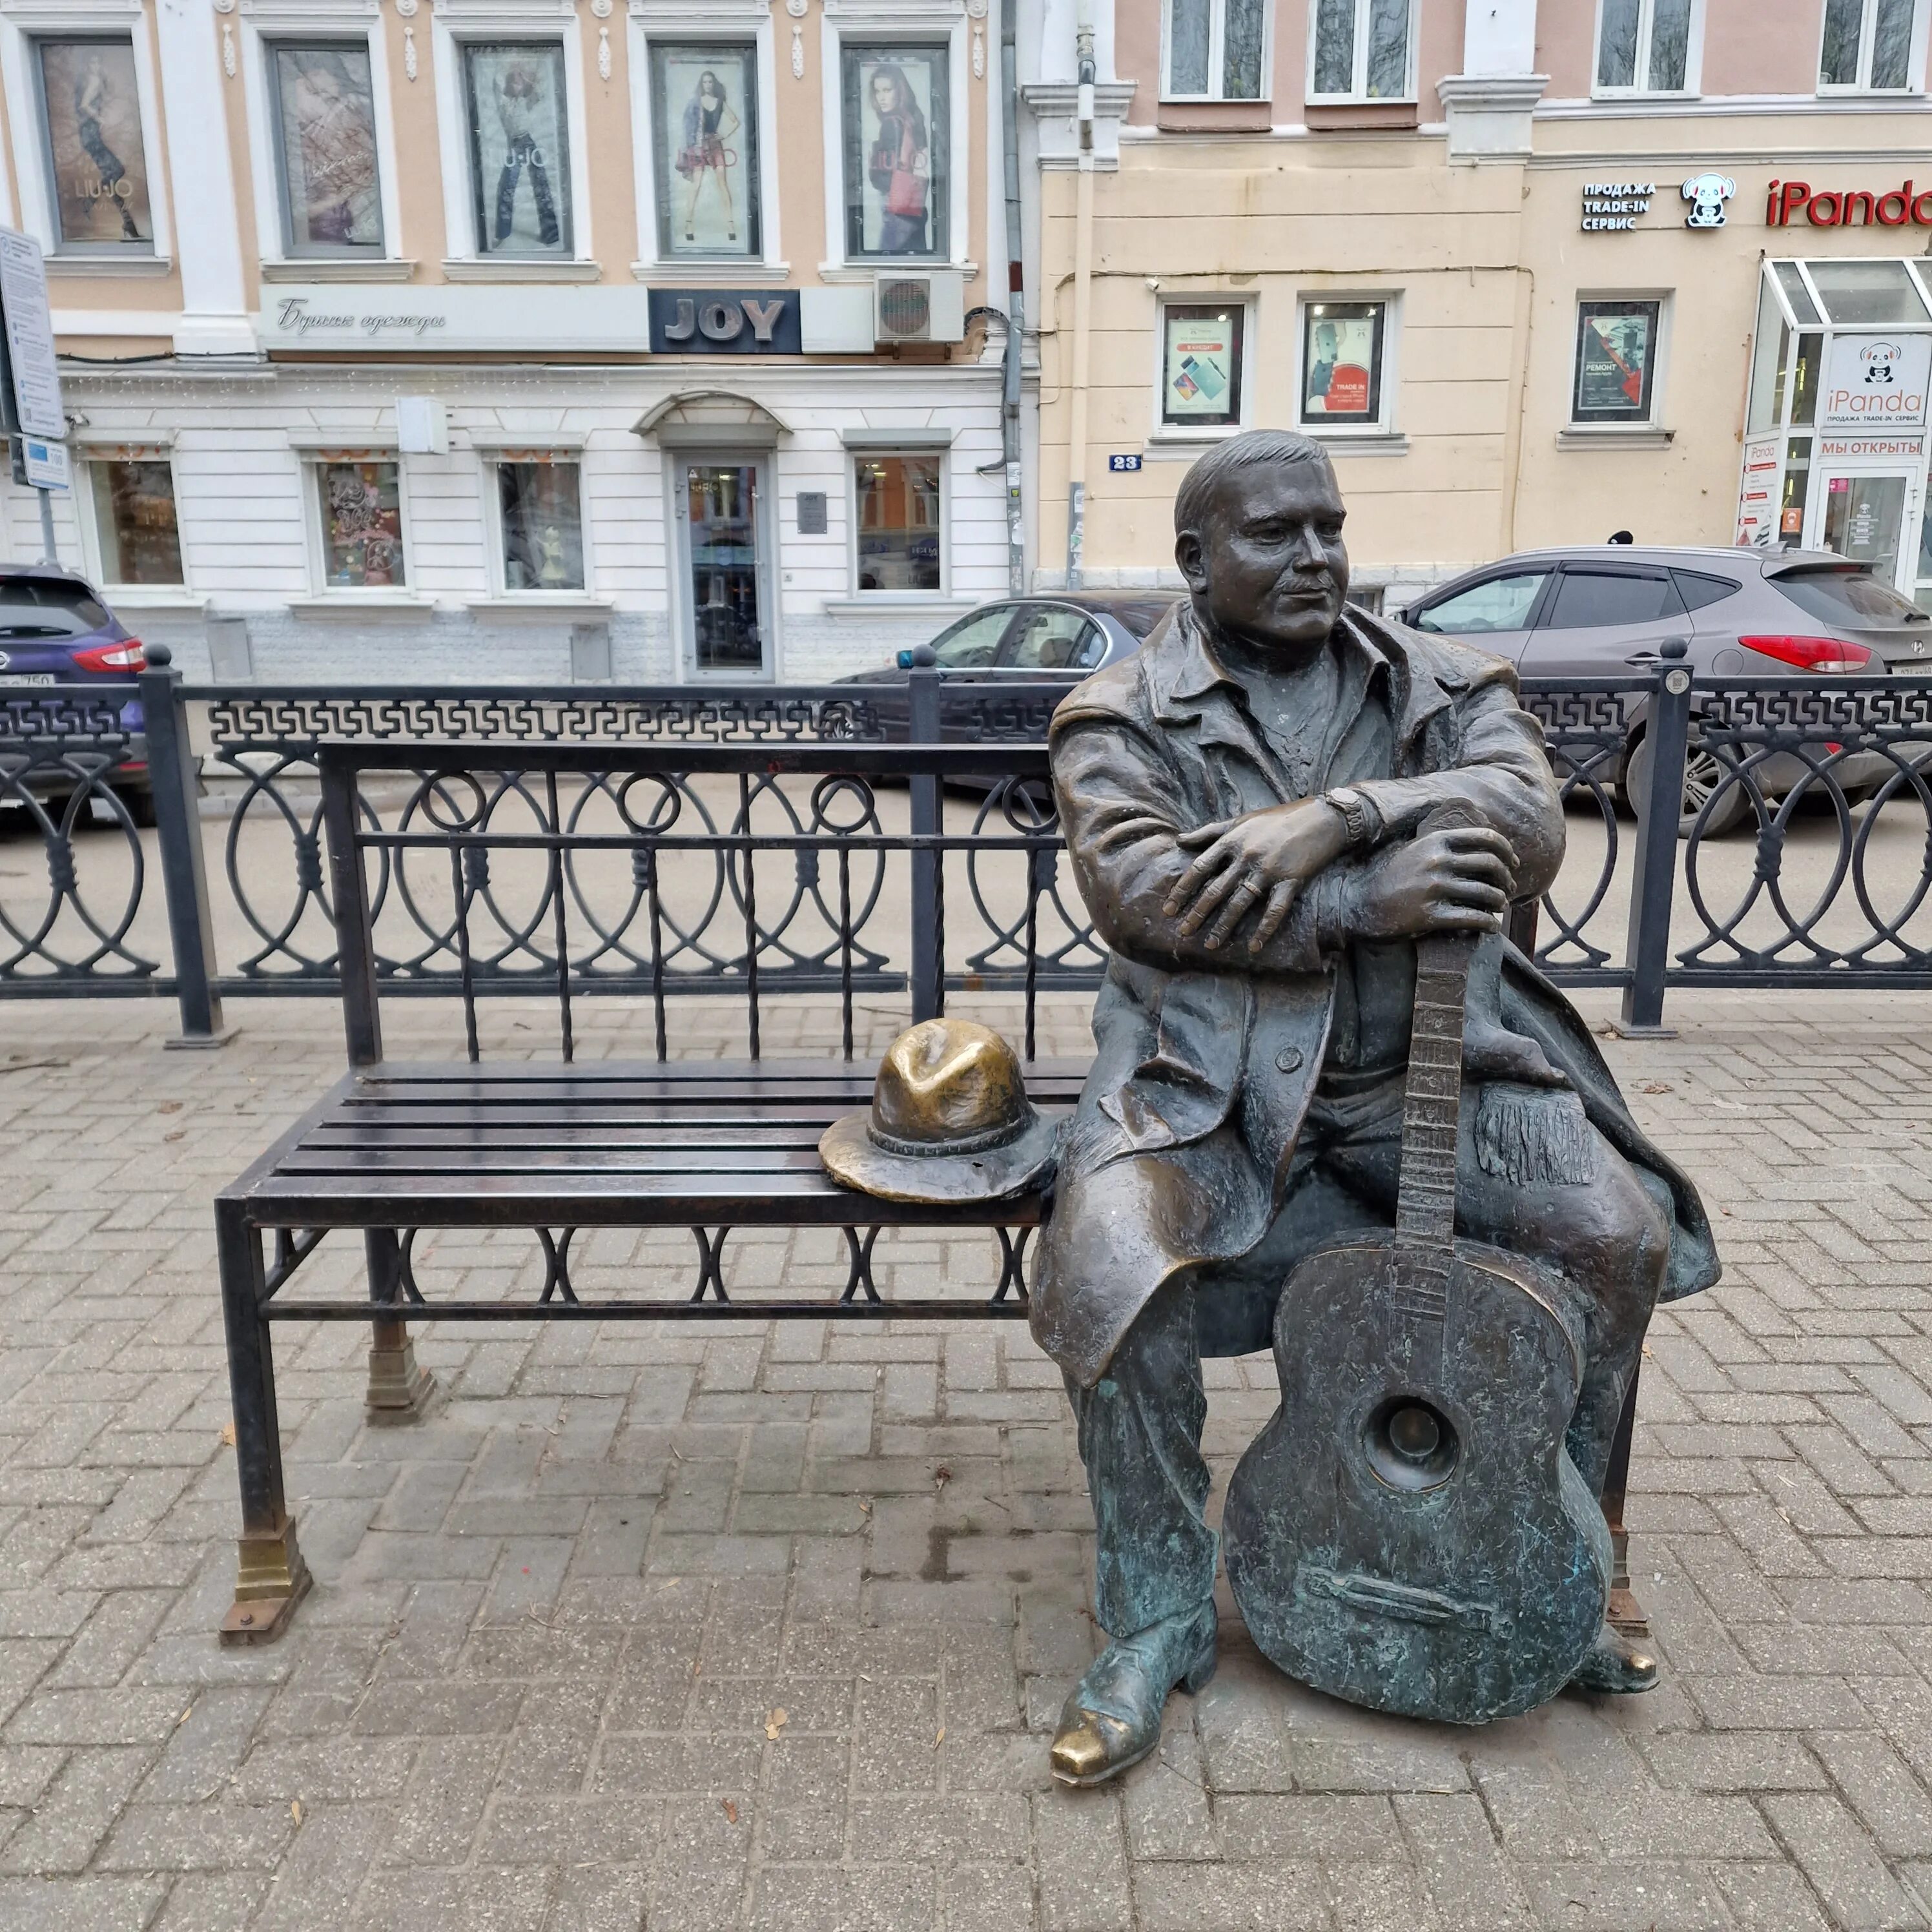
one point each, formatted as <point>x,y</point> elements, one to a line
<point>1863,518</point>
<point>722,514</point>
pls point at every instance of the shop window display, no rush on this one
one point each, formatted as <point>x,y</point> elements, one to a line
<point>361,510</point>
<point>898,181</point>
<point>543,525</point>
<point>898,522</point>
<point>519,147</point>
<point>1616,361</point>
<point>1341,345</point>
<point>1201,364</point>
<point>134,520</point>
<point>96,162</point>
<point>704,110</point>
<point>325,112</point>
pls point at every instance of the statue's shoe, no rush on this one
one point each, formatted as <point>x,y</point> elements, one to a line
<point>1616,1665</point>
<point>1112,1720</point>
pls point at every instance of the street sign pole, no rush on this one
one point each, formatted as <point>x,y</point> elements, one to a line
<point>32,413</point>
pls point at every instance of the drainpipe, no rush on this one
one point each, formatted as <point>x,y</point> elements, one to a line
<point>1083,302</point>
<point>1009,412</point>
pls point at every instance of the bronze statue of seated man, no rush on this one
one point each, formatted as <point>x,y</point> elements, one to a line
<point>1240,803</point>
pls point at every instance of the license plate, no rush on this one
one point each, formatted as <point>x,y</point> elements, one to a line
<point>27,677</point>
<point>1910,668</point>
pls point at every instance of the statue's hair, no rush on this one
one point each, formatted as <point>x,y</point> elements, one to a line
<point>1253,446</point>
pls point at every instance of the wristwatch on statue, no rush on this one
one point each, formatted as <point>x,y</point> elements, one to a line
<point>1358,815</point>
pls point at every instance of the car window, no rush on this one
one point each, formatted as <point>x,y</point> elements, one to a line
<point>1496,603</point>
<point>1854,598</point>
<point>1051,637</point>
<point>38,607</point>
<point>972,641</point>
<point>1594,598</point>
<point>1696,589</point>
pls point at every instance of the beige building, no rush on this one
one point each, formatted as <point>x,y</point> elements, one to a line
<point>486,338</point>
<point>1534,275</point>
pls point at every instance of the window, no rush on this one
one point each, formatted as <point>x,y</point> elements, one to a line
<point>1643,46</point>
<point>1697,590</point>
<point>704,109</point>
<point>1593,598</point>
<point>1359,50</point>
<point>543,525</point>
<point>96,157</point>
<point>1850,598</point>
<point>1215,50</point>
<point>898,148</point>
<point>1498,604</point>
<point>361,511</point>
<point>134,522</point>
<point>519,147</point>
<point>1342,363</point>
<point>1052,638</point>
<point>898,522</point>
<point>1200,356</point>
<point>1867,46</point>
<point>1616,361</point>
<point>972,643</point>
<point>324,105</point>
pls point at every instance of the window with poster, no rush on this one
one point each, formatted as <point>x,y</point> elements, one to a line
<point>358,502</point>
<point>898,150</point>
<point>322,101</point>
<point>1615,377</point>
<point>94,145</point>
<point>1202,350</point>
<point>516,99</point>
<point>704,116</point>
<point>1343,345</point>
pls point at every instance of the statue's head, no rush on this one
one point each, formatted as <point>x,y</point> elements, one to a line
<point>1258,536</point>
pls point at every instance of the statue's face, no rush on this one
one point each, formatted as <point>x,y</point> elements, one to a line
<point>1269,568</point>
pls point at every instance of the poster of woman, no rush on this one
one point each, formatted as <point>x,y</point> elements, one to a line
<point>896,148</point>
<point>326,111</point>
<point>93,142</point>
<point>519,147</point>
<point>704,109</point>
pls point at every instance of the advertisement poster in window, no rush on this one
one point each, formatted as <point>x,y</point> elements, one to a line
<point>1201,365</point>
<point>1875,383</point>
<point>1342,362</point>
<point>895,149</point>
<point>326,115</point>
<point>361,525</point>
<point>704,106</point>
<point>519,148</point>
<point>1616,352</point>
<point>99,166</point>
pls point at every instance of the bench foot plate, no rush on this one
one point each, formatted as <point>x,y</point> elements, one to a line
<point>271,1579</point>
<point>399,1389</point>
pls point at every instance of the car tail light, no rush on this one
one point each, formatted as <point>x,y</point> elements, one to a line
<point>126,656</point>
<point>1818,654</point>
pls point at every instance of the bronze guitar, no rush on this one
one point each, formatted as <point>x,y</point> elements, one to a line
<point>1408,1532</point>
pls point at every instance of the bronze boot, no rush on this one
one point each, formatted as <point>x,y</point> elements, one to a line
<point>1112,1720</point>
<point>1616,1665</point>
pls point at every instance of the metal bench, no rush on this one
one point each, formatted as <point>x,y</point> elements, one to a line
<point>559,1145</point>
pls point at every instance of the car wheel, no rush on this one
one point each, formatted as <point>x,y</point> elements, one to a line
<point>1703,774</point>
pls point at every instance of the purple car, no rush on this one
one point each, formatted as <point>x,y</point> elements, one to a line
<point>54,630</point>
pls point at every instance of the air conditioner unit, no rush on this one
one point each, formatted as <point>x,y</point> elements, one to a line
<point>919,305</point>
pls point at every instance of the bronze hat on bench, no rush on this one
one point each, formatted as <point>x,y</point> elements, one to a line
<point>949,1121</point>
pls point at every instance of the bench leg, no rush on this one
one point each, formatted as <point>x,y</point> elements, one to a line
<point>271,1577</point>
<point>399,1390</point>
<point>1627,1614</point>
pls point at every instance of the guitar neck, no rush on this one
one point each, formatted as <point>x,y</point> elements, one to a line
<point>1425,1214</point>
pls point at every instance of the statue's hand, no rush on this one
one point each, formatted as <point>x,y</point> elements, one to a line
<point>1441,882</point>
<point>1266,857</point>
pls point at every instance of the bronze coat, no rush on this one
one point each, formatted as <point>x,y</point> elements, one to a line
<point>1177,1156</point>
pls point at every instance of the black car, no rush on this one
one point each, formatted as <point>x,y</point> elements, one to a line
<point>988,658</point>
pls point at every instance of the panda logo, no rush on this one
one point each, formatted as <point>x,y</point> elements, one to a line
<point>1881,360</point>
<point>1707,194</point>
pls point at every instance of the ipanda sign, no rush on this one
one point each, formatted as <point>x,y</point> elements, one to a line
<point>1900,207</point>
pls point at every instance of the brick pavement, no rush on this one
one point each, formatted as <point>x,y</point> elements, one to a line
<point>755,1627</point>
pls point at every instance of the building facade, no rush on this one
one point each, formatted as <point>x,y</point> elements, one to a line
<point>1536,274</point>
<point>478,339</point>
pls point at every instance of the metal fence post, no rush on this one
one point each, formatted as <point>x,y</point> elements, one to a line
<point>922,728</point>
<point>171,773</point>
<point>1654,880</point>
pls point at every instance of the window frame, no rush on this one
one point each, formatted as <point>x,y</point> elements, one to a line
<point>1357,94</point>
<point>1652,421</point>
<point>1915,68</point>
<point>940,454</point>
<point>1639,88</point>
<point>1193,429</point>
<point>314,459</point>
<point>1217,42</point>
<point>261,34</point>
<point>493,461</point>
<point>87,457</point>
<point>1546,591</point>
<point>1383,422</point>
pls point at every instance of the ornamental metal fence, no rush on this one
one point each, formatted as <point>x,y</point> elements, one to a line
<point>159,839</point>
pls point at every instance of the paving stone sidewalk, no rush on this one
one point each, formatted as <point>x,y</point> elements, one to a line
<point>759,1627</point>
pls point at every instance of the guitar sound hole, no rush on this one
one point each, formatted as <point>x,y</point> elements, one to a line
<point>1411,1443</point>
